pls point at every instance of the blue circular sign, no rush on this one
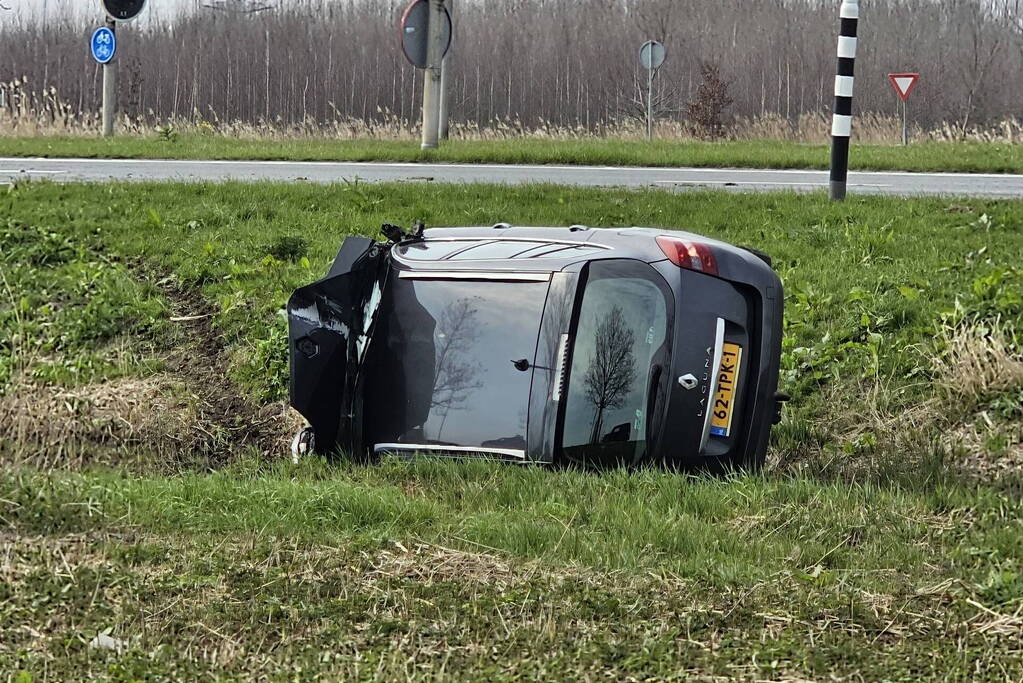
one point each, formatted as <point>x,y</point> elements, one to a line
<point>103,45</point>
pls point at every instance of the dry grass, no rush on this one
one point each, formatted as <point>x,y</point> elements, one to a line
<point>165,421</point>
<point>57,427</point>
<point>979,361</point>
<point>972,442</point>
<point>427,611</point>
<point>977,364</point>
<point>190,414</point>
<point>27,112</point>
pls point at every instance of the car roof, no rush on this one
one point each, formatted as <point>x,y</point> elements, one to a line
<point>524,248</point>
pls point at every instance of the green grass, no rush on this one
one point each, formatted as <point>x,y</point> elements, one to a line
<point>970,157</point>
<point>483,570</point>
<point>867,281</point>
<point>881,543</point>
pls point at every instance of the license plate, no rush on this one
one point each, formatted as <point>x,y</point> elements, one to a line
<point>724,398</point>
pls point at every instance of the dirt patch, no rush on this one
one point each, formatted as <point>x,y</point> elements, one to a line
<point>191,414</point>
<point>202,363</point>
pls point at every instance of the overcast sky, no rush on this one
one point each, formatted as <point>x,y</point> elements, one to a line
<point>38,9</point>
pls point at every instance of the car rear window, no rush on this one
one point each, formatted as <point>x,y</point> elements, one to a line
<point>443,368</point>
<point>622,327</point>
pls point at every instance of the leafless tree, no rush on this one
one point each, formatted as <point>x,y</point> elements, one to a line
<point>612,369</point>
<point>331,62</point>
<point>455,375</point>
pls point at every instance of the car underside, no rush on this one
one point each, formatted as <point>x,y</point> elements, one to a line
<point>584,346</point>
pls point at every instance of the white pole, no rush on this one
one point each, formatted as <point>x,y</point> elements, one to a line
<point>110,89</point>
<point>445,83</point>
<point>431,80</point>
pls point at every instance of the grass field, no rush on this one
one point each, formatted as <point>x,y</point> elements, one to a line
<point>145,494</point>
<point>969,157</point>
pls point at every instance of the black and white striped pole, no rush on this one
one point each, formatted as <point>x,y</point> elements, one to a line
<point>841,119</point>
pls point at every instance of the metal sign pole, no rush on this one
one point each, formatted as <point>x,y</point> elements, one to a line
<point>431,81</point>
<point>651,56</point>
<point>905,123</point>
<point>110,89</point>
<point>650,103</point>
<point>445,86</point>
<point>103,46</point>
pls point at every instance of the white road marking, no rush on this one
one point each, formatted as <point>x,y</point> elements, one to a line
<point>518,167</point>
<point>29,170</point>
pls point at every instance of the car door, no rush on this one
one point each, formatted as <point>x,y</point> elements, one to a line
<point>329,324</point>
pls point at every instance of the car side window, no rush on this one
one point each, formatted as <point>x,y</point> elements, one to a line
<point>622,329</point>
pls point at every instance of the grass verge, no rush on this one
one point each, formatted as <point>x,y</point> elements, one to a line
<point>968,157</point>
<point>482,571</point>
<point>883,542</point>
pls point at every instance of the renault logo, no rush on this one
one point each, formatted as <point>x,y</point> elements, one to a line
<point>688,382</point>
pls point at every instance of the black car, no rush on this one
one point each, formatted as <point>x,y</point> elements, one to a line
<point>588,346</point>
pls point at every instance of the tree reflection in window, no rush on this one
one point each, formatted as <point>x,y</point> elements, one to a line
<point>611,370</point>
<point>455,375</point>
<point>621,331</point>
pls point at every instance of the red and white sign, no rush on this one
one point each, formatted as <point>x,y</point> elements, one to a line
<point>903,83</point>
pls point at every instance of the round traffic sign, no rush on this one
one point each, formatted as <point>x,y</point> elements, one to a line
<point>415,34</point>
<point>124,10</point>
<point>651,55</point>
<point>103,45</point>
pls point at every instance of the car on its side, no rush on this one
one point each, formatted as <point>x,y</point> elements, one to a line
<point>585,346</point>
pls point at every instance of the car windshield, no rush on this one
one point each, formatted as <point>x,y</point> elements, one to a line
<point>443,370</point>
<point>623,324</point>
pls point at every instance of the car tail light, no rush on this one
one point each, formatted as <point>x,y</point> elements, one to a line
<point>689,255</point>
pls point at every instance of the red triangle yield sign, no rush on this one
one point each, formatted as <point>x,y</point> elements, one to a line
<point>903,83</point>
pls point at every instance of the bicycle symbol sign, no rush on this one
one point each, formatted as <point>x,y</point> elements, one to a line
<point>103,44</point>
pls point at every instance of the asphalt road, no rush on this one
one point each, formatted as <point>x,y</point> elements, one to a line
<point>749,180</point>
